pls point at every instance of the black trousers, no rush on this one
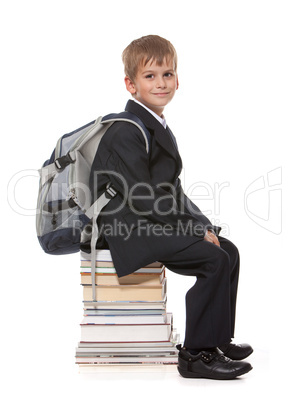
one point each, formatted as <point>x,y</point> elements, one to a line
<point>211,302</point>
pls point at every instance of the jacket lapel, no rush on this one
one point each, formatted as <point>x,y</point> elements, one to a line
<point>164,137</point>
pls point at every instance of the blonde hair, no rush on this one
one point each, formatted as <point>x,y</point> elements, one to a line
<point>142,50</point>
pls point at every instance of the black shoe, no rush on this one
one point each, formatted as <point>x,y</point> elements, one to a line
<point>236,352</point>
<point>209,364</point>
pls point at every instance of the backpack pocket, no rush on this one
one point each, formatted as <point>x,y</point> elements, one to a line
<point>60,226</point>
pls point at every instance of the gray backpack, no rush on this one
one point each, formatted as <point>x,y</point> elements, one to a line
<point>64,206</point>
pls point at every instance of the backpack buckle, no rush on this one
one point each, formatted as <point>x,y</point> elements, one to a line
<point>63,161</point>
<point>110,192</point>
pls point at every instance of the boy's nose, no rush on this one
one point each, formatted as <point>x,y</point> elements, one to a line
<point>161,83</point>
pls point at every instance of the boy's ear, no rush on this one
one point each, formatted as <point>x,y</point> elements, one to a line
<point>129,85</point>
<point>177,83</point>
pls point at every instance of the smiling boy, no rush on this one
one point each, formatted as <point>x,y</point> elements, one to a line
<point>154,85</point>
<point>164,224</point>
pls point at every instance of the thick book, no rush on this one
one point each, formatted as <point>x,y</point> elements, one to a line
<point>126,292</point>
<point>125,332</point>
<point>110,264</point>
<point>112,270</point>
<point>132,279</point>
<point>124,345</point>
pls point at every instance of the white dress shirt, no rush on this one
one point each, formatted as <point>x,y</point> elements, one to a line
<point>160,119</point>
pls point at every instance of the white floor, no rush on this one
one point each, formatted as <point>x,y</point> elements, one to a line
<point>62,381</point>
<point>170,384</point>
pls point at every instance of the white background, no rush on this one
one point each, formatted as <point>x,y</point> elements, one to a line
<point>61,68</point>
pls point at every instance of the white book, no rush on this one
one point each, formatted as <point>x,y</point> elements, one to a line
<point>174,340</point>
<point>126,332</point>
<point>105,255</point>
<point>122,305</point>
<point>91,312</point>
<point>101,255</point>
<point>125,351</point>
<point>127,319</point>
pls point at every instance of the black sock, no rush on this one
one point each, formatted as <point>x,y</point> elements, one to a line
<point>196,351</point>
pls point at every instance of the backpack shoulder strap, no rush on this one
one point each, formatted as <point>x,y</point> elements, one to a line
<point>131,118</point>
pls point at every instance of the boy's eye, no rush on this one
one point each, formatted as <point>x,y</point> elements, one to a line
<point>151,76</point>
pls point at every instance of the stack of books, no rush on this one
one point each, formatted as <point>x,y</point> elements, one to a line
<point>127,323</point>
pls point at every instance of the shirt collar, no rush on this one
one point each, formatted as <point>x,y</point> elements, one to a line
<point>160,119</point>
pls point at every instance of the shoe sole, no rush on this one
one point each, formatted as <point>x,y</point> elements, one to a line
<point>230,376</point>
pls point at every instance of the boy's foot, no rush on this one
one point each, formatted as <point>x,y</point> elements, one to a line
<point>210,364</point>
<point>236,352</point>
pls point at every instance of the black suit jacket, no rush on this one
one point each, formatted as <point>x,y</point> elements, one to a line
<point>150,218</point>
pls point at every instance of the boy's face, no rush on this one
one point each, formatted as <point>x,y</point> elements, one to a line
<point>154,85</point>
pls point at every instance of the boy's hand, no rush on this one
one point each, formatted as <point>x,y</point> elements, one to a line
<point>212,238</point>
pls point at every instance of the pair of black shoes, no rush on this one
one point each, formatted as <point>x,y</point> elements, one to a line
<point>214,363</point>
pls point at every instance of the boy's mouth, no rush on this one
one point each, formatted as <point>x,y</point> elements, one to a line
<point>161,93</point>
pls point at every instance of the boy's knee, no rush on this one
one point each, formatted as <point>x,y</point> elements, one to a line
<point>230,248</point>
<point>220,260</point>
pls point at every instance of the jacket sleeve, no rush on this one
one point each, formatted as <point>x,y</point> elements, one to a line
<point>158,203</point>
<point>191,208</point>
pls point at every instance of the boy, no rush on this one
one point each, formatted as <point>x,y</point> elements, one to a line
<point>151,219</point>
